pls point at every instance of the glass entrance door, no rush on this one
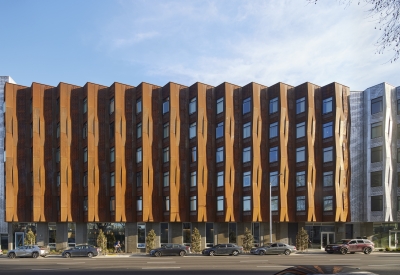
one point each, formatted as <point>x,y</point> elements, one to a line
<point>19,239</point>
<point>327,238</point>
<point>394,238</point>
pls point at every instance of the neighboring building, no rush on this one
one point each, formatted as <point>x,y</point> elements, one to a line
<point>375,164</point>
<point>3,224</point>
<point>130,159</point>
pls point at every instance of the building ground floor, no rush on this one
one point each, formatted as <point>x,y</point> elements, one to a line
<point>133,235</point>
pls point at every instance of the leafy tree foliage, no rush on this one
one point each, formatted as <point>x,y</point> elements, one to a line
<point>247,240</point>
<point>302,240</point>
<point>150,241</point>
<point>30,238</point>
<point>102,242</point>
<point>196,240</point>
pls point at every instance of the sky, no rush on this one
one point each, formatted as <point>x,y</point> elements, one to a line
<point>161,41</point>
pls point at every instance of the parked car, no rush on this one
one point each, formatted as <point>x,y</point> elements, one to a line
<point>223,249</point>
<point>81,250</point>
<point>274,248</point>
<point>33,251</point>
<point>1,252</point>
<point>170,250</point>
<point>351,246</point>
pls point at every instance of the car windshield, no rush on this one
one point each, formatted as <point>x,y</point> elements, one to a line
<point>344,241</point>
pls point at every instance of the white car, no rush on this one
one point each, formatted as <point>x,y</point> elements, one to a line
<point>33,251</point>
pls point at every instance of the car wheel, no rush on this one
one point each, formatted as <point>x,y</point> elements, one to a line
<point>11,255</point>
<point>182,253</point>
<point>90,254</point>
<point>286,252</point>
<point>67,255</point>
<point>235,253</point>
<point>262,252</point>
<point>35,255</point>
<point>343,251</point>
<point>367,250</point>
<point>158,254</point>
<point>211,253</point>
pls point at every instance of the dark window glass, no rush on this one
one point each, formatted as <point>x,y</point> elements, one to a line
<point>273,130</point>
<point>246,105</point>
<point>327,105</point>
<point>273,105</point>
<point>376,105</point>
<point>300,178</point>
<point>273,154</point>
<point>376,203</point>
<point>300,105</point>
<point>376,154</point>
<point>219,131</point>
<point>376,178</point>
<point>376,130</point>
<point>327,130</point>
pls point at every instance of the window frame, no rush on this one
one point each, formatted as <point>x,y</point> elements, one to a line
<point>274,105</point>
<point>246,106</point>
<point>192,130</point>
<point>220,105</point>
<point>246,154</point>
<point>273,129</point>
<point>377,105</point>
<point>273,178</point>
<point>300,203</point>
<point>327,129</point>
<point>193,203</point>
<point>246,178</point>
<point>300,154</point>
<point>219,130</point>
<point>300,178</point>
<point>166,179</point>
<point>166,154</point>
<point>376,154</point>
<point>327,154</point>
<point>220,178</point>
<point>326,175</point>
<point>300,105</point>
<point>273,154</point>
<point>376,129</point>
<point>246,203</point>
<point>139,156</point>
<point>327,105</point>
<point>220,203</point>
<point>192,105</point>
<point>328,203</point>
<point>377,203</point>
<point>246,130</point>
<point>165,106</point>
<point>219,156</point>
<point>376,178</point>
<point>301,126</point>
<point>193,179</point>
<point>166,130</point>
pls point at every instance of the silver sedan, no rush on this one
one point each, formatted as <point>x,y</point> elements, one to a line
<point>274,248</point>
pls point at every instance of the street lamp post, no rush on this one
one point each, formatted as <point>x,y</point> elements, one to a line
<point>270,208</point>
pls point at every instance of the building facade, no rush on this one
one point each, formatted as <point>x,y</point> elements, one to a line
<point>128,159</point>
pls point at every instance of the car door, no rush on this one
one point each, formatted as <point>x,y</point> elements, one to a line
<point>77,251</point>
<point>176,249</point>
<point>272,249</point>
<point>20,251</point>
<point>360,245</point>
<point>280,248</point>
<point>168,248</point>
<point>352,246</point>
<point>230,248</point>
<point>221,250</point>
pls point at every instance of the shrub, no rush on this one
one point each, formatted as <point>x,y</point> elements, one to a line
<point>387,249</point>
<point>30,238</point>
<point>102,242</point>
<point>302,240</point>
<point>196,240</point>
<point>247,240</point>
<point>150,241</point>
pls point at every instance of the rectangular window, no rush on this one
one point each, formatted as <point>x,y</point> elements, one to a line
<point>246,179</point>
<point>85,105</point>
<point>301,203</point>
<point>376,154</point>
<point>58,157</point>
<point>166,130</point>
<point>193,154</point>
<point>376,178</point>
<point>84,130</point>
<point>376,203</point>
<point>85,204</point>
<point>301,154</point>
<point>398,131</point>
<point>398,179</point>
<point>328,203</point>
<point>273,130</point>
<point>376,105</point>
<point>85,179</point>
<point>220,105</point>
<point>247,130</point>
<point>328,154</point>
<point>112,204</point>
<point>111,130</point>
<point>193,179</point>
<point>376,130</point>
<point>246,105</point>
<point>139,179</point>
<point>220,203</point>
<point>300,105</point>
<point>139,130</point>
<point>166,179</point>
<point>85,154</point>
<point>164,228</point>
<point>300,178</point>
<point>274,203</point>
<point>166,203</point>
<point>141,233</point>
<point>246,154</point>
<point>139,203</point>
<point>398,106</point>
<point>219,131</point>
<point>273,178</point>
<point>398,154</point>
<point>398,203</point>
<point>112,154</point>
<point>246,203</point>
<point>165,105</point>
<point>327,130</point>
<point>112,105</point>
<point>220,154</point>
<point>193,203</point>
<point>273,154</point>
<point>328,178</point>
<point>192,105</point>
<point>273,105</point>
<point>192,130</point>
<point>139,106</point>
<point>220,179</point>
<point>166,154</point>
<point>58,179</point>
<point>186,233</point>
<point>112,179</point>
<point>300,129</point>
<point>58,130</point>
<point>139,155</point>
<point>327,105</point>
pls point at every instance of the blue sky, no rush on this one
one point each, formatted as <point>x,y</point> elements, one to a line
<point>101,41</point>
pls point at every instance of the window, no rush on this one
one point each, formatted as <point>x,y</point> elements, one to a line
<point>85,154</point>
<point>139,179</point>
<point>327,178</point>
<point>193,179</point>
<point>376,130</point>
<point>300,129</point>
<point>139,203</point>
<point>246,179</point>
<point>274,203</point>
<point>166,154</point>
<point>58,179</point>
<point>246,203</point>
<point>301,203</point>
<point>327,130</point>
<point>85,204</point>
<point>246,154</point>
<point>112,179</point>
<point>273,178</point>
<point>58,130</point>
<point>139,155</point>
<point>220,179</point>
<point>58,157</point>
<point>166,179</point>
<point>376,178</point>
<point>220,105</point>
<point>165,106</point>
<point>273,154</point>
<point>300,105</point>
<point>328,203</point>
<point>301,154</point>
<point>219,131</point>
<point>398,131</point>
<point>111,130</point>
<point>192,106</point>
<point>85,179</point>
<point>398,179</point>
<point>139,106</point>
<point>328,154</point>
<point>84,130</point>
<point>398,203</point>
<point>398,106</point>
<point>376,105</point>
<point>220,154</point>
<point>112,154</point>
<point>247,130</point>
<point>141,233</point>
<point>376,203</point>
<point>166,130</point>
<point>112,204</point>
<point>327,105</point>
<point>186,233</point>
<point>193,203</point>
<point>193,154</point>
<point>273,130</point>
<point>139,130</point>
<point>85,105</point>
<point>192,130</point>
<point>166,203</point>
<point>376,154</point>
<point>398,154</point>
<point>112,105</point>
<point>246,105</point>
<point>273,105</point>
<point>300,178</point>
<point>220,203</point>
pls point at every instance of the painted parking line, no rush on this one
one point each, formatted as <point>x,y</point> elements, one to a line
<point>383,264</point>
<point>249,261</point>
<point>162,267</point>
<point>161,262</point>
<point>276,266</point>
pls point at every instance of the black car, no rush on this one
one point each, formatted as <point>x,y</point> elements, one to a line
<point>223,249</point>
<point>82,250</point>
<point>170,250</point>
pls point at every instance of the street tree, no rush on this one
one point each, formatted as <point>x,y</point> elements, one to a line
<point>102,242</point>
<point>30,238</point>
<point>247,240</point>
<point>196,240</point>
<point>150,240</point>
<point>302,240</point>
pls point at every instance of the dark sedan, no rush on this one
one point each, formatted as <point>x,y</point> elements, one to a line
<point>274,248</point>
<point>82,250</point>
<point>170,250</point>
<point>223,249</point>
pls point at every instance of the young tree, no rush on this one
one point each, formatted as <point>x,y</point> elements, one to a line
<point>102,242</point>
<point>196,240</point>
<point>247,240</point>
<point>150,241</point>
<point>302,240</point>
<point>30,238</point>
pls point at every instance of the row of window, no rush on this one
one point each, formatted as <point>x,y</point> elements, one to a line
<point>377,203</point>
<point>377,179</point>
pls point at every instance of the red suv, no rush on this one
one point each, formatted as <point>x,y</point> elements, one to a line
<point>351,246</point>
